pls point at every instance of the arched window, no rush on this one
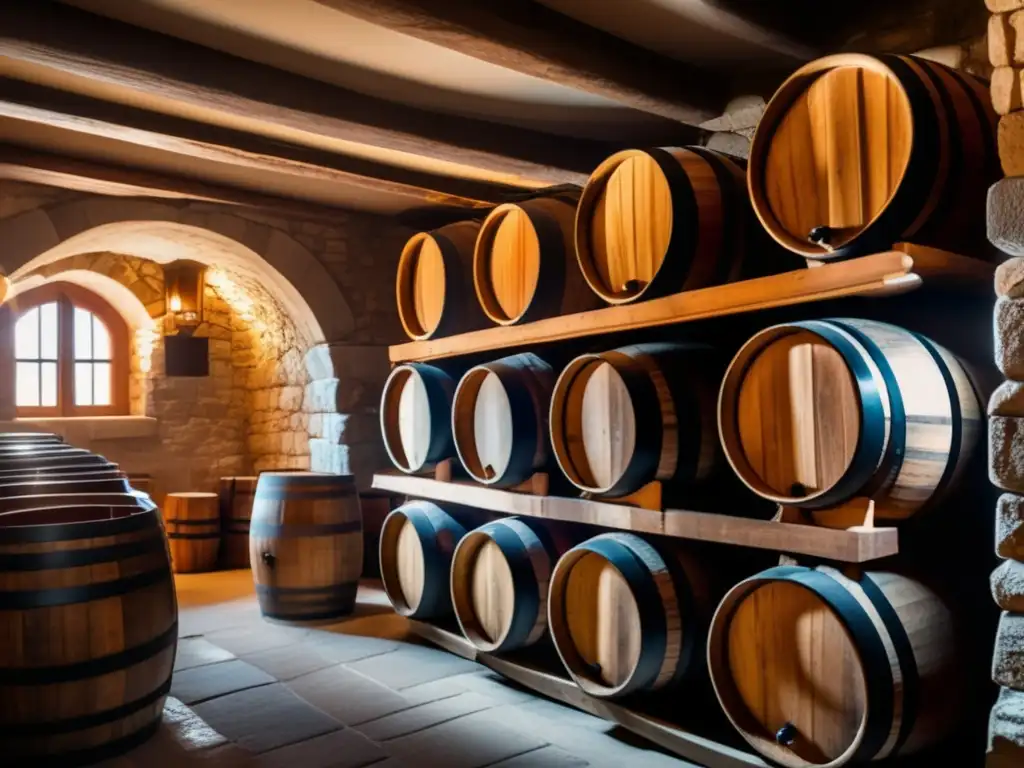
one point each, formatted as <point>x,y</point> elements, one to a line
<point>71,353</point>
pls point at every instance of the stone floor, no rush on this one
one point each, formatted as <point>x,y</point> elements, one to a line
<point>252,694</point>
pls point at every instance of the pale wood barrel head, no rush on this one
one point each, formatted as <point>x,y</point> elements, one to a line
<point>607,425</point>
<point>838,154</point>
<point>791,661</point>
<point>409,564</point>
<point>798,415</point>
<point>631,227</point>
<point>603,620</point>
<point>512,264</point>
<point>414,420</point>
<point>492,592</point>
<point>492,427</point>
<point>421,277</point>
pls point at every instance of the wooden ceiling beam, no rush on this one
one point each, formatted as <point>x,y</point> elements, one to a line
<point>527,37</point>
<point>57,41</point>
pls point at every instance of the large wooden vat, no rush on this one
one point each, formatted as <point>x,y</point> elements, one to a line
<point>524,265</point>
<point>416,416</point>
<point>50,461</point>
<point>654,222</point>
<point>306,545</point>
<point>500,419</point>
<point>627,616</point>
<point>192,520</point>
<point>857,152</point>
<point>813,414</point>
<point>16,504</point>
<point>66,486</point>
<point>434,285</point>
<point>500,576</point>
<point>235,495</point>
<point>416,546</point>
<point>88,631</point>
<point>816,669</point>
<point>623,418</point>
<point>9,438</point>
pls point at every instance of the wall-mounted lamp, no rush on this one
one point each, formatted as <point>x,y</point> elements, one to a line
<point>184,282</point>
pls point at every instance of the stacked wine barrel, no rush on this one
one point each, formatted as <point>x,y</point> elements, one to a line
<point>813,664</point>
<point>86,584</point>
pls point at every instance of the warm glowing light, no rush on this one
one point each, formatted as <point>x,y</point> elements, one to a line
<point>175,303</point>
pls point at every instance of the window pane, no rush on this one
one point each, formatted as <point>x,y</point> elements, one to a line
<point>48,331</point>
<point>83,384</point>
<point>100,340</point>
<point>49,384</point>
<point>101,386</point>
<point>26,336</point>
<point>83,335</point>
<point>27,384</point>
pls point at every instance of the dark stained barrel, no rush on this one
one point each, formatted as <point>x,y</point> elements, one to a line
<point>236,497</point>
<point>306,545</point>
<point>416,416</point>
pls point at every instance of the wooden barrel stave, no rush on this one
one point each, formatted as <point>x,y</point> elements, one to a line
<point>305,545</point>
<point>83,694</point>
<point>636,414</point>
<point>500,419</point>
<point>817,669</point>
<point>192,520</point>
<point>417,543</point>
<point>7,438</point>
<point>415,416</point>
<point>434,287</point>
<point>235,501</point>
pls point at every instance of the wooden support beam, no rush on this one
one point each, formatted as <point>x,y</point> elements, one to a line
<point>527,37</point>
<point>56,44</point>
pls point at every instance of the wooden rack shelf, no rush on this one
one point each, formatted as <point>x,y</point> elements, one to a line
<point>903,269</point>
<point>673,738</point>
<point>855,545</point>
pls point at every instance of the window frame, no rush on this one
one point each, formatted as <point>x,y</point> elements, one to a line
<point>68,296</point>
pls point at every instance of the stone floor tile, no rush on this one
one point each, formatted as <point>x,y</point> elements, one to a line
<point>340,647</point>
<point>340,749</point>
<point>215,618</point>
<point>201,683</point>
<point>413,665</point>
<point>425,716</point>
<point>289,661</point>
<point>188,729</point>
<point>347,696</point>
<point>468,742</point>
<point>445,688</point>
<point>545,757</point>
<point>256,636</point>
<point>262,719</point>
<point>198,651</point>
<point>494,686</point>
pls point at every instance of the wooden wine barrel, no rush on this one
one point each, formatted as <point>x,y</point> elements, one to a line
<point>524,264</point>
<point>15,504</point>
<point>499,583</point>
<point>623,418</point>
<point>61,471</point>
<point>816,669</point>
<point>816,413</point>
<point>306,545</point>
<point>416,416</point>
<point>857,152</point>
<point>51,461</point>
<point>626,616</point>
<point>77,483</point>
<point>235,498</point>
<point>416,546</point>
<point>434,286</point>
<point>652,222</point>
<point>192,520</point>
<point>9,438</point>
<point>500,419</point>
<point>89,625</point>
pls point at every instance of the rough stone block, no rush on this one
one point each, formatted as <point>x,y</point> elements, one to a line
<point>1010,278</point>
<point>1008,656</point>
<point>1011,143</point>
<point>730,144</point>
<point>1002,6</point>
<point>1005,88</point>
<point>1006,453</point>
<point>1008,586</point>
<point>1006,731</point>
<point>1005,223</point>
<point>1009,337</point>
<point>1007,400</point>
<point>1010,527</point>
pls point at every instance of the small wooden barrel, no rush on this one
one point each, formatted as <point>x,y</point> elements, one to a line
<point>416,416</point>
<point>306,545</point>
<point>816,413</point>
<point>88,622</point>
<point>815,669</point>
<point>857,152</point>
<point>192,520</point>
<point>500,419</point>
<point>659,221</point>
<point>236,497</point>
<point>434,286</point>
<point>623,418</point>
<point>416,547</point>
<point>626,616</point>
<point>499,583</point>
<point>524,265</point>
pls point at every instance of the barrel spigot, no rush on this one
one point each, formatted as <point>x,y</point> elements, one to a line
<point>786,735</point>
<point>268,560</point>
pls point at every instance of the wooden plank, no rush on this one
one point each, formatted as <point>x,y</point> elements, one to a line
<point>53,43</point>
<point>849,546</point>
<point>527,37</point>
<point>686,745</point>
